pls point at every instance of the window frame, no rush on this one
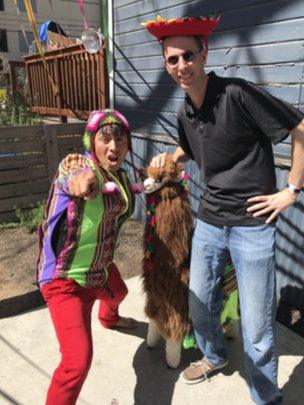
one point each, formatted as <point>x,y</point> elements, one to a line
<point>21,6</point>
<point>5,49</point>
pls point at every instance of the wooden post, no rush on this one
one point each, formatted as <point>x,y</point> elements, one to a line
<point>58,80</point>
<point>51,148</point>
<point>12,76</point>
<point>13,65</point>
<point>30,85</point>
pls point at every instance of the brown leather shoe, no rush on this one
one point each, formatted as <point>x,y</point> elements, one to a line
<point>200,371</point>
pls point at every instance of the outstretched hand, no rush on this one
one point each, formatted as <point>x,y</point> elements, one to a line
<point>271,204</point>
<point>84,185</point>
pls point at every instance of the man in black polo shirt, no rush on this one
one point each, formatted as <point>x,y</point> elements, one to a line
<point>227,126</point>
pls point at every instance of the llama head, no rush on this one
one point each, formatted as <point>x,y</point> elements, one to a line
<point>168,217</point>
<point>159,177</point>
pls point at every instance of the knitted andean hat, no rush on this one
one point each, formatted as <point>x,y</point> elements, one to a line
<point>188,26</point>
<point>100,118</point>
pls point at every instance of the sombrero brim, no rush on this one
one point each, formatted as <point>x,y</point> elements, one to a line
<point>194,26</point>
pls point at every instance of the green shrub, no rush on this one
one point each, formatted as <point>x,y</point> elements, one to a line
<point>31,218</point>
<point>16,111</point>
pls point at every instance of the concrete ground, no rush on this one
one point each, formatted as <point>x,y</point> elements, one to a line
<point>124,371</point>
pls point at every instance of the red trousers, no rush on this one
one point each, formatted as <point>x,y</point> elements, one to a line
<point>70,306</point>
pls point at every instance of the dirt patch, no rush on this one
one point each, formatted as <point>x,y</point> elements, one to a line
<point>19,249</point>
<point>18,255</point>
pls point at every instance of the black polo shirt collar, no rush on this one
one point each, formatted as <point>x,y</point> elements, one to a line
<point>212,92</point>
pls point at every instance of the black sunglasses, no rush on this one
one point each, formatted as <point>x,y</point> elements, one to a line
<point>187,56</point>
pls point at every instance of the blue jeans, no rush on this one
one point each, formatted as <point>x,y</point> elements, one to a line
<point>252,250</point>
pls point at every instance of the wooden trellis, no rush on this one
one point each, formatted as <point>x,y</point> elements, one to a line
<point>81,79</point>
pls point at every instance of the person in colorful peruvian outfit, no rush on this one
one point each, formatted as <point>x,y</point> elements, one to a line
<point>227,126</point>
<point>89,200</point>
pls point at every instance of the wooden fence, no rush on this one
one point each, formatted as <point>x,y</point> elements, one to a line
<point>81,78</point>
<point>29,158</point>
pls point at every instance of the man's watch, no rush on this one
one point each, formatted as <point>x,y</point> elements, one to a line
<point>293,189</point>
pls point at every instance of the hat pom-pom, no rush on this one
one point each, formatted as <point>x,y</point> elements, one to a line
<point>137,188</point>
<point>109,187</point>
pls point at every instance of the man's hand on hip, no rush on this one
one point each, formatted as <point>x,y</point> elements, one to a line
<point>271,204</point>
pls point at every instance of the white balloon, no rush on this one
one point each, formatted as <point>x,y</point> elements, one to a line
<point>91,40</point>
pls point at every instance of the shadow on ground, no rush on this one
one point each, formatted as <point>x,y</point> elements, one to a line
<point>156,382</point>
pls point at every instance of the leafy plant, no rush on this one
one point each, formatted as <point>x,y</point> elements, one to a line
<point>15,110</point>
<point>31,218</point>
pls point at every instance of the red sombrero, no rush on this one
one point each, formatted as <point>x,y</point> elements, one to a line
<point>194,26</point>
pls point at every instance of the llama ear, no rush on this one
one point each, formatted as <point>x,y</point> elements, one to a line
<point>180,166</point>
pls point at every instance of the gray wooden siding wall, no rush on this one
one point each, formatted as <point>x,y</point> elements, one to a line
<point>259,40</point>
<point>262,41</point>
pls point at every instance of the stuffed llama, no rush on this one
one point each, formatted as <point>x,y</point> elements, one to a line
<point>167,242</point>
